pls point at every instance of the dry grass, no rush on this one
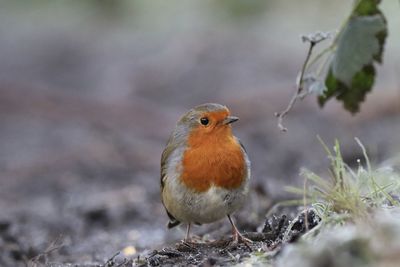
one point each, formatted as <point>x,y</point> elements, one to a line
<point>349,194</point>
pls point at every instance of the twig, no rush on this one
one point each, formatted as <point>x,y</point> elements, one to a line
<point>299,90</point>
<point>111,260</point>
<point>125,263</point>
<point>322,53</point>
<point>55,245</point>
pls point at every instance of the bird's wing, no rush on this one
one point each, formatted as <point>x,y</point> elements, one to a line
<point>244,149</point>
<point>245,153</point>
<point>164,158</point>
<point>172,221</point>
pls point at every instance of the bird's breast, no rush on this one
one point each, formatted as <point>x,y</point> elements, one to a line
<point>213,161</point>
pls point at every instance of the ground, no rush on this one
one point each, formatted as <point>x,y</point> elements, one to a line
<point>95,186</point>
<point>276,231</point>
<point>89,94</point>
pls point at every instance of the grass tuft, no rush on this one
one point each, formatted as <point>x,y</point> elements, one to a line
<point>349,194</point>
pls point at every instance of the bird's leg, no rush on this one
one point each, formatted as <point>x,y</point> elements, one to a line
<point>187,238</point>
<point>237,236</point>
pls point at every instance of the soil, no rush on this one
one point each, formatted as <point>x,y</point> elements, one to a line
<point>93,191</point>
<point>276,231</point>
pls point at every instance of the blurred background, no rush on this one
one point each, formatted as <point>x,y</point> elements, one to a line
<point>90,91</point>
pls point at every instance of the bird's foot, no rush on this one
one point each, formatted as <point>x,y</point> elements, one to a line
<point>193,239</point>
<point>188,243</point>
<point>238,238</point>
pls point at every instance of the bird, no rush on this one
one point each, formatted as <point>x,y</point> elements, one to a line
<point>205,170</point>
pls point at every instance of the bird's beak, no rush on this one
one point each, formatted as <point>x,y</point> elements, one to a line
<point>229,120</point>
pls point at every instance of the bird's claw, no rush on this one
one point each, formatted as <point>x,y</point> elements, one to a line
<point>239,238</point>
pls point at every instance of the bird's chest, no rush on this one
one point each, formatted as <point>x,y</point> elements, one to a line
<point>215,162</point>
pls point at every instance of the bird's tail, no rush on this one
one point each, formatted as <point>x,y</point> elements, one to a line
<point>173,223</point>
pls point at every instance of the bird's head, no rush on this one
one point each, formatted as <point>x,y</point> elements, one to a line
<point>208,119</point>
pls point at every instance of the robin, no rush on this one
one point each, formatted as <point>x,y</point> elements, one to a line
<point>205,170</point>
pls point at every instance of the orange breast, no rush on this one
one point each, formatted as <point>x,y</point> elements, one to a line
<point>214,159</point>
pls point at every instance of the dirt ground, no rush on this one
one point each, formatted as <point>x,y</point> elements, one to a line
<point>276,231</point>
<point>93,192</point>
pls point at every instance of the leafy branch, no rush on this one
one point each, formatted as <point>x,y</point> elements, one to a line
<point>347,71</point>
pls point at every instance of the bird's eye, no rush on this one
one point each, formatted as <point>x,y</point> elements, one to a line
<point>204,121</point>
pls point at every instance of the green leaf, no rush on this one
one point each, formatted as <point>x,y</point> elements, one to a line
<point>351,95</point>
<point>367,8</point>
<point>351,72</point>
<point>357,46</point>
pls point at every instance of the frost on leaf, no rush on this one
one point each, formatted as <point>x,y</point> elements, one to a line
<point>312,84</point>
<point>357,47</point>
<point>351,72</point>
